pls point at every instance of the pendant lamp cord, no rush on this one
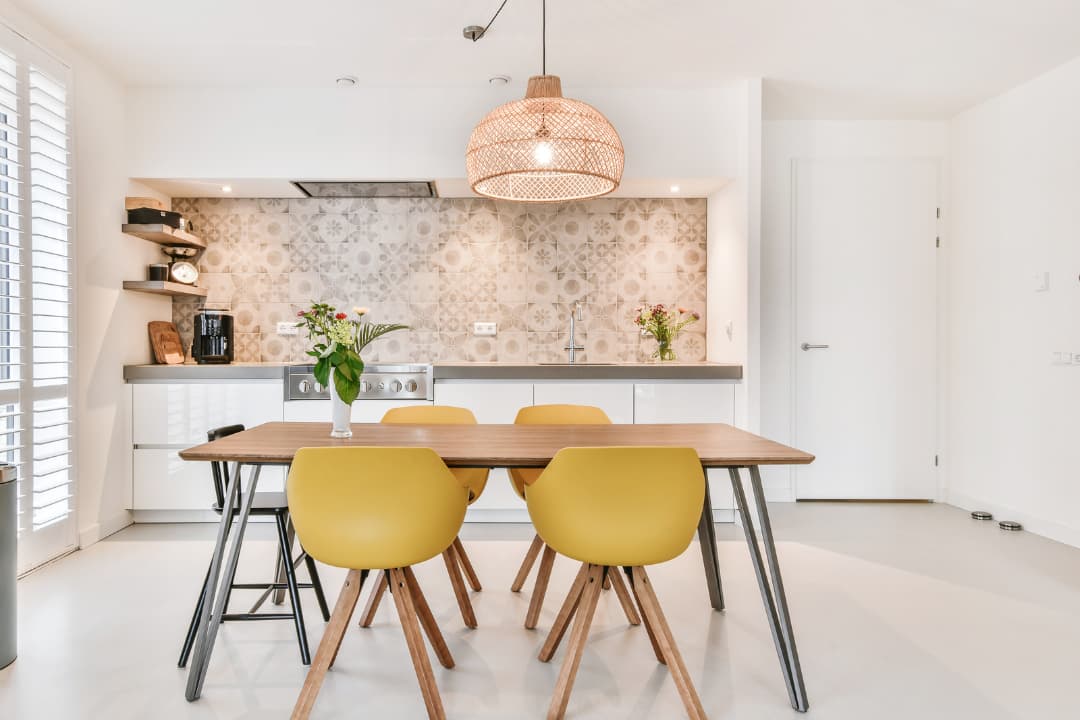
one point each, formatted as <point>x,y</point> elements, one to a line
<point>477,36</point>
<point>543,37</point>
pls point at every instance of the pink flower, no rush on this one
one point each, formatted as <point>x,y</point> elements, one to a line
<point>302,313</point>
<point>682,311</point>
<point>696,315</point>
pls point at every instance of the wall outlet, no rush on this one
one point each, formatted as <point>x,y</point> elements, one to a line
<point>484,329</point>
<point>1064,358</point>
<point>287,328</point>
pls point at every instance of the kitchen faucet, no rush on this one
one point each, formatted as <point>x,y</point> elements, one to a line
<point>573,347</point>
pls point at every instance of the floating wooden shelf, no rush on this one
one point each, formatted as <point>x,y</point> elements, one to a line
<point>163,235</point>
<point>164,287</point>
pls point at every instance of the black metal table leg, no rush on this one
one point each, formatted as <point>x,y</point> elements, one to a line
<point>707,540</point>
<point>213,597</point>
<point>772,590</point>
<point>294,592</point>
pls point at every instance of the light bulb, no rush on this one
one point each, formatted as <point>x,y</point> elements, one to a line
<point>226,188</point>
<point>543,153</point>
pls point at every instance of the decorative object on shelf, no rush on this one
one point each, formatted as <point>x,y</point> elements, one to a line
<point>165,341</point>
<point>154,216</point>
<point>181,271</point>
<point>664,325</point>
<point>157,271</point>
<point>544,148</point>
<point>338,341</point>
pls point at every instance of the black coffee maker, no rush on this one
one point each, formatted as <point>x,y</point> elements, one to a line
<point>213,339</point>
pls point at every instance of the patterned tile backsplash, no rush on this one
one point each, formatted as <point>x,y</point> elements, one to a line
<point>441,265</point>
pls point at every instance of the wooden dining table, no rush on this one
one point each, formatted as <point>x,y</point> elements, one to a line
<point>718,445</point>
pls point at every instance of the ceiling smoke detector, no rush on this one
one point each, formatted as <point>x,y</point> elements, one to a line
<point>499,79</point>
<point>347,81</point>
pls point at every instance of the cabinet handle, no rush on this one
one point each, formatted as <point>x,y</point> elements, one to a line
<point>808,346</point>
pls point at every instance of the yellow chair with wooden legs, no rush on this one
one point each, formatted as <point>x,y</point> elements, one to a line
<point>473,479</point>
<point>611,508</point>
<point>521,477</point>
<point>372,509</point>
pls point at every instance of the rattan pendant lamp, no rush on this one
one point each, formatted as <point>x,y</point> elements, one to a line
<point>544,148</point>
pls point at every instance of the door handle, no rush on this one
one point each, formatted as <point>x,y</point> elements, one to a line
<point>808,346</point>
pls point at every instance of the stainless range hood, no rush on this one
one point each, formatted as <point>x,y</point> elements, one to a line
<point>366,189</point>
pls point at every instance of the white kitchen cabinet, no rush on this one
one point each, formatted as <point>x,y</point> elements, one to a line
<point>614,398</point>
<point>181,413</point>
<point>691,402</point>
<point>491,402</point>
<point>168,417</point>
<point>363,411</point>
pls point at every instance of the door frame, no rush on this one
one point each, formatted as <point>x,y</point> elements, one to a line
<point>939,304</point>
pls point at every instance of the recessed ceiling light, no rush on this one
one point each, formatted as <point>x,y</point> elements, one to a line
<point>499,79</point>
<point>674,188</point>
<point>347,81</point>
<point>226,188</point>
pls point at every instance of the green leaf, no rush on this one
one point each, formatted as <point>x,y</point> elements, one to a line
<point>369,332</point>
<point>345,370</point>
<point>347,389</point>
<point>322,372</point>
<point>313,353</point>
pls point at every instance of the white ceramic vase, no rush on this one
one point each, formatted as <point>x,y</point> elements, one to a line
<point>341,413</point>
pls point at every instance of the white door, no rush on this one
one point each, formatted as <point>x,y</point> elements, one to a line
<point>864,235</point>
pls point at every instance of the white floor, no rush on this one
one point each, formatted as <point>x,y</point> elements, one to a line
<point>901,611</point>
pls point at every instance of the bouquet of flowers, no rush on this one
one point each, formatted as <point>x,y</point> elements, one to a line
<point>664,325</point>
<point>338,341</point>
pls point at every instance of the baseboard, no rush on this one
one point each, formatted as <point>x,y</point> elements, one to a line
<point>100,530</point>
<point>1050,529</point>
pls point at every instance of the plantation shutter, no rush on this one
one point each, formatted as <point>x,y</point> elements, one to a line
<point>36,286</point>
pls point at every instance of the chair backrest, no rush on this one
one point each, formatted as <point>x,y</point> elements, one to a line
<point>520,478</point>
<point>219,470</point>
<point>472,478</point>
<point>374,507</point>
<point>619,505</point>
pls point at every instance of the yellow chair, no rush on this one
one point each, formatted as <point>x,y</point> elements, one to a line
<point>376,509</point>
<point>617,507</point>
<point>474,479</point>
<point>522,477</point>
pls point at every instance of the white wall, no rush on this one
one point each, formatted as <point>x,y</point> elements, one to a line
<point>734,243</point>
<point>110,324</point>
<point>388,133</point>
<point>1013,422</point>
<point>784,142</point>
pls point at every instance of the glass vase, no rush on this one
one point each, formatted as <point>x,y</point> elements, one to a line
<point>341,413</point>
<point>665,351</point>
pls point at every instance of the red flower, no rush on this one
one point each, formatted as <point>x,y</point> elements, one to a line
<point>340,316</point>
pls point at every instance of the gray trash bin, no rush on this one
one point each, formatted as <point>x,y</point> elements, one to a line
<point>8,530</point>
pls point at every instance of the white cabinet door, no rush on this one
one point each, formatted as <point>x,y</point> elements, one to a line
<point>491,402</point>
<point>675,402</point>
<point>614,398</point>
<point>179,413</point>
<point>688,402</point>
<point>363,411</point>
<point>163,481</point>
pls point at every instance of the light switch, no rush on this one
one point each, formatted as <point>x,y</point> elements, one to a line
<point>484,329</point>
<point>1041,281</point>
<point>287,328</point>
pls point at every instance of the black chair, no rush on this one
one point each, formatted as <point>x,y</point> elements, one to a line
<point>264,503</point>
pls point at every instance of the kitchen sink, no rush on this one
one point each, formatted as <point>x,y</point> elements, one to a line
<point>571,364</point>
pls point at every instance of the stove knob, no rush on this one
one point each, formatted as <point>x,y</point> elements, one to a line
<point>319,388</point>
<point>396,386</point>
<point>382,385</point>
<point>410,385</point>
<point>304,386</point>
<point>365,386</point>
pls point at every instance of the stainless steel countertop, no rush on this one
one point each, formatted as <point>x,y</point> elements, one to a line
<point>456,371</point>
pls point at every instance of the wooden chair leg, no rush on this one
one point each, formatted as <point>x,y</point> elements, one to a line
<point>624,596</point>
<point>576,645</point>
<point>462,595</point>
<point>543,575</point>
<point>648,626</point>
<point>467,566</point>
<point>566,613</point>
<point>651,608</point>
<point>607,581</point>
<point>373,602</point>
<point>403,599</point>
<point>527,563</point>
<point>427,621</point>
<point>331,642</point>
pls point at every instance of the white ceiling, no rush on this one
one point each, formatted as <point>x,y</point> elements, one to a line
<point>823,58</point>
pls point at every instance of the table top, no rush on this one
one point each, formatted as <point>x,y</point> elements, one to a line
<point>717,444</point>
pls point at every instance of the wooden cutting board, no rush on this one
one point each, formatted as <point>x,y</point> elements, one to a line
<point>168,350</point>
